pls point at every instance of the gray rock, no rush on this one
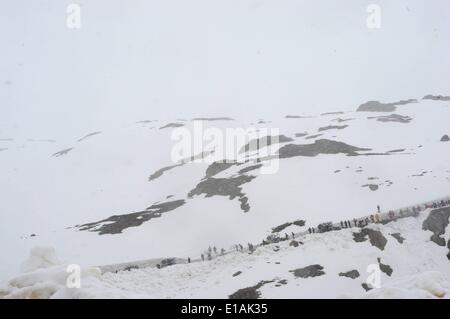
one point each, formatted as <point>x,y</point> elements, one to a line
<point>249,169</point>
<point>249,292</point>
<point>237,273</point>
<point>399,237</point>
<point>436,222</point>
<point>392,118</point>
<point>385,268</point>
<point>372,187</point>
<point>300,134</point>
<point>436,97</point>
<point>445,138</point>
<point>169,125</point>
<point>117,223</point>
<point>350,274</point>
<point>88,135</point>
<point>332,127</point>
<point>217,167</point>
<point>376,106</point>
<point>230,187</point>
<point>309,271</point>
<point>63,152</point>
<point>376,238</point>
<point>322,146</point>
<point>264,141</point>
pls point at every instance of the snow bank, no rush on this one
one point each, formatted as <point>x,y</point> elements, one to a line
<point>429,284</point>
<point>44,276</point>
<point>40,257</point>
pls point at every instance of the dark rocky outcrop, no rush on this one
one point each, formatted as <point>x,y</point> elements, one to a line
<point>161,171</point>
<point>350,274</point>
<point>237,273</point>
<point>332,127</point>
<point>230,187</point>
<point>297,117</point>
<point>366,287</point>
<point>322,146</point>
<point>372,187</point>
<point>294,243</point>
<point>436,97</point>
<point>264,141</point>
<point>249,169</point>
<point>313,136</point>
<point>88,135</point>
<point>280,227</point>
<point>117,223</point>
<point>309,271</point>
<point>301,134</point>
<point>399,237</point>
<point>217,167</point>
<point>249,292</point>
<point>332,113</point>
<point>171,125</point>
<point>445,138</point>
<point>63,152</point>
<point>376,238</point>
<point>392,118</point>
<point>376,106</point>
<point>436,222</point>
<point>385,268</point>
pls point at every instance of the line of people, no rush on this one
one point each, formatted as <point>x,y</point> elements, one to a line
<point>360,222</point>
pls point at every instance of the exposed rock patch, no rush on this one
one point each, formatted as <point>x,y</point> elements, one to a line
<point>297,117</point>
<point>366,287</point>
<point>161,171</point>
<point>217,167</point>
<point>88,135</point>
<point>445,138</point>
<point>117,223</point>
<point>376,237</point>
<point>350,274</point>
<point>340,120</point>
<point>237,273</point>
<point>331,113</point>
<point>309,271</point>
<point>399,237</point>
<point>392,118</point>
<point>171,125</point>
<point>372,187</point>
<point>436,97</point>
<point>63,152</point>
<point>249,292</point>
<point>301,134</point>
<point>279,228</point>
<point>376,106</point>
<point>249,169</point>
<point>385,268</point>
<point>397,150</point>
<point>322,146</point>
<point>436,222</point>
<point>264,141</point>
<point>332,127</point>
<point>230,187</point>
<point>313,136</point>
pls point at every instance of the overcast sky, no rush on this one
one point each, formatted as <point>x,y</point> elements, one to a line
<point>134,60</point>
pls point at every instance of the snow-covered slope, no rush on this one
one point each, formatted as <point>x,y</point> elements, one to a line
<point>63,193</point>
<point>335,264</point>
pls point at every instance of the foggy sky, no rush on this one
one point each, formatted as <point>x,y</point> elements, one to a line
<point>135,60</point>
